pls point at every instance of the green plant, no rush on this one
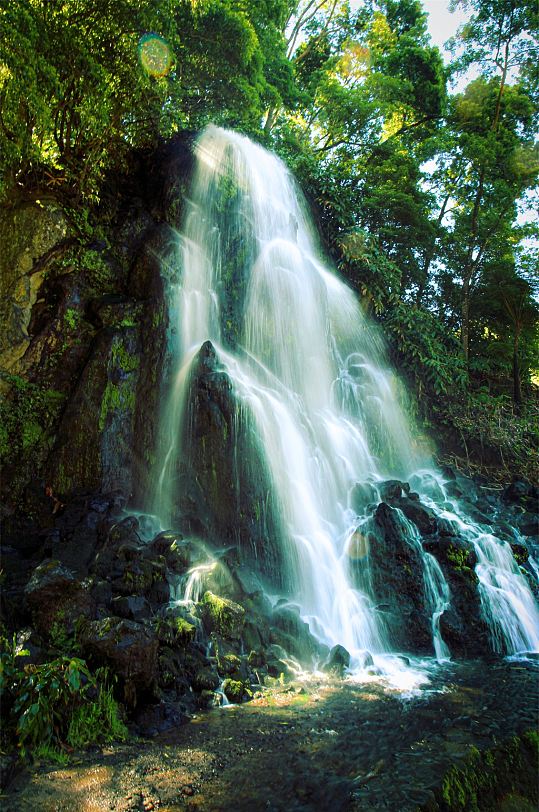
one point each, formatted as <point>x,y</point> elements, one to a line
<point>458,557</point>
<point>23,414</point>
<point>56,705</point>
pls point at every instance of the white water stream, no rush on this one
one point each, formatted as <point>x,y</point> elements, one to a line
<point>310,370</point>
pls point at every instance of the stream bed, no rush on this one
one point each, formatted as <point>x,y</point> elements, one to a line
<point>313,745</point>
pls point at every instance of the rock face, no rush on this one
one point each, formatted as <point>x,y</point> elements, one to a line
<point>128,648</point>
<point>397,582</point>
<point>462,626</point>
<point>56,599</point>
<point>29,236</point>
<point>77,310</point>
<point>226,485</point>
<point>99,419</point>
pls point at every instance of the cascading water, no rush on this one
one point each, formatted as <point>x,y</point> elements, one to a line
<point>308,370</point>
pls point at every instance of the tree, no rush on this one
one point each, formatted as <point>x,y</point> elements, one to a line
<point>508,319</point>
<point>81,84</point>
<point>495,165</point>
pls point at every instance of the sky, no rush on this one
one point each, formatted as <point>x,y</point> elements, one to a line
<point>442,23</point>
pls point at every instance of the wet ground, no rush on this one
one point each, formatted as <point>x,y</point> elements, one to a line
<point>318,746</point>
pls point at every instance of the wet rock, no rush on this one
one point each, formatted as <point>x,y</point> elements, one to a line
<point>528,525</point>
<point>447,527</point>
<point>176,552</point>
<point>462,625</point>
<point>236,691</point>
<point>78,532</point>
<point>132,607</point>
<point>423,517</point>
<point>159,592</point>
<point>299,641</point>
<point>522,492</point>
<point>174,630</point>
<point>55,597</point>
<point>427,483</point>
<point>397,581</point>
<point>210,699</point>
<point>365,659</point>
<point>205,680</point>
<point>222,616</point>
<point>99,419</point>
<point>121,534</point>
<point>129,649</point>
<point>235,506</point>
<point>361,495</point>
<point>139,576</point>
<point>338,661</point>
<point>229,665</point>
<point>277,662</point>
<point>392,489</point>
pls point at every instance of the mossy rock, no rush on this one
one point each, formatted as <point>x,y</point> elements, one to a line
<point>487,780</point>
<point>236,691</point>
<point>228,664</point>
<point>205,680</point>
<point>174,631</point>
<point>222,616</point>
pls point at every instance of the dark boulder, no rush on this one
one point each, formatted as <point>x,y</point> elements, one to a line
<point>423,517</point>
<point>235,506</point>
<point>522,492</point>
<point>299,641</point>
<point>462,626</point>
<point>392,489</point>
<point>397,581</point>
<point>176,551</point>
<point>129,649</point>
<point>56,598</point>
<point>338,661</point>
<point>528,525</point>
<point>132,607</point>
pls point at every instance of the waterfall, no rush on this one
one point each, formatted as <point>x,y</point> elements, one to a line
<point>315,401</point>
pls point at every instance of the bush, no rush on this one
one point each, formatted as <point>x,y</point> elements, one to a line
<point>56,706</point>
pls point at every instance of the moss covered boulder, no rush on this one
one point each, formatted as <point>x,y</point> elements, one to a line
<point>129,649</point>
<point>221,616</point>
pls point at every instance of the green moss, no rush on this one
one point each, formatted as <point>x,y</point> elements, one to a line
<point>123,359</point>
<point>520,553</point>
<point>72,318</point>
<point>24,412</point>
<point>174,630</point>
<point>486,779</point>
<point>116,398</point>
<point>458,557</point>
<point>236,690</point>
<point>222,616</point>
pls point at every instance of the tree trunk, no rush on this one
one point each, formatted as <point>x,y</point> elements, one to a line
<point>465,318</point>
<point>517,389</point>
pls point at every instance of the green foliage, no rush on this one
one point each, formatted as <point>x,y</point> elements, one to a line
<point>55,705</point>
<point>428,353</point>
<point>77,91</point>
<point>26,413</point>
<point>459,558</point>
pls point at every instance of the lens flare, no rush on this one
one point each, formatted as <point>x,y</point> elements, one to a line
<point>155,54</point>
